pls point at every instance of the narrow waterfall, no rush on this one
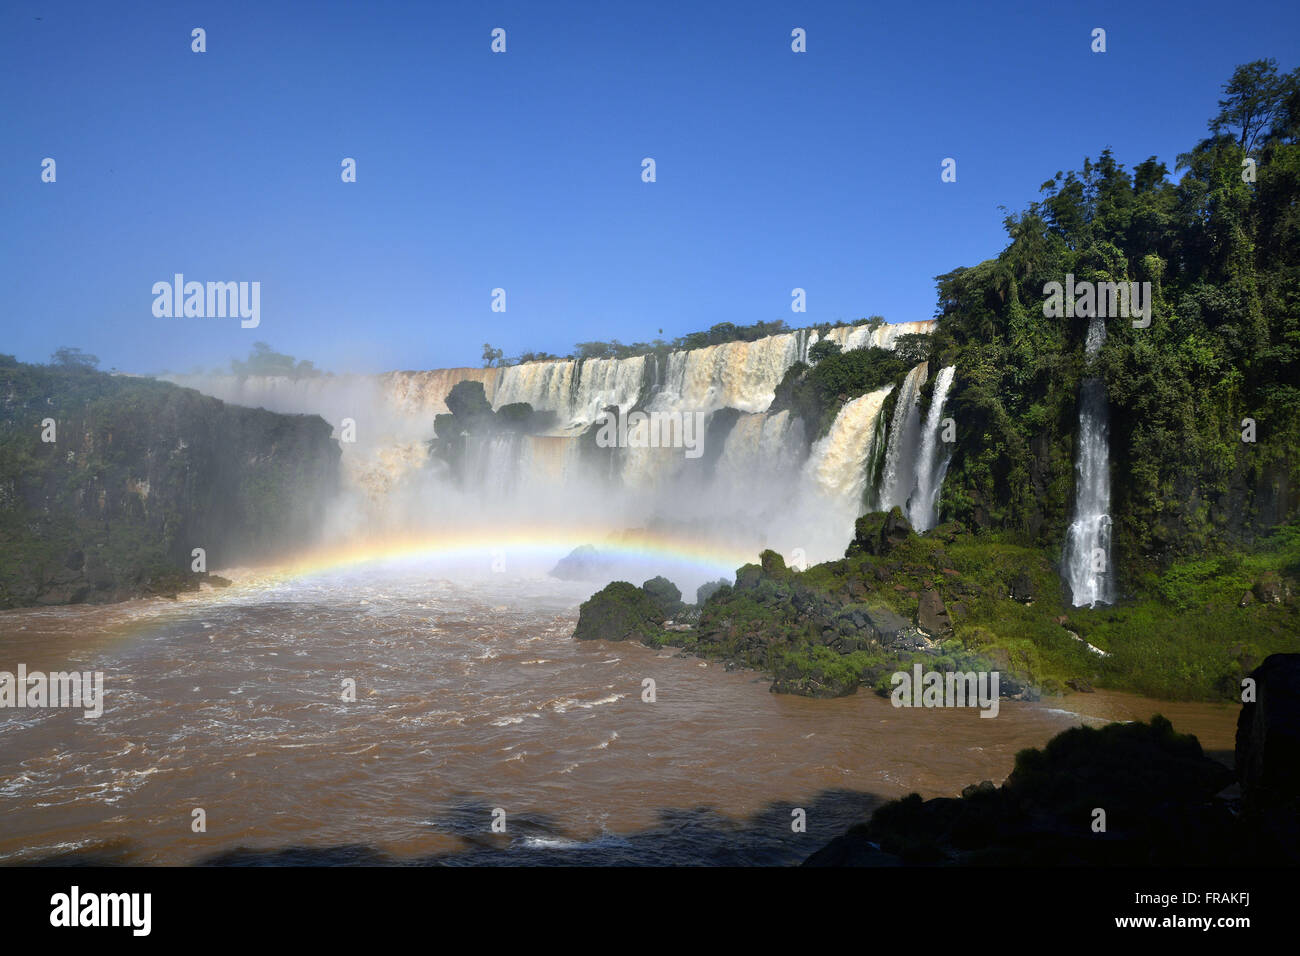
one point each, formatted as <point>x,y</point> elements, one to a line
<point>1087,563</point>
<point>899,477</point>
<point>932,459</point>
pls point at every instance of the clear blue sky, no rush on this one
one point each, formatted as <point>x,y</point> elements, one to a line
<point>522,171</point>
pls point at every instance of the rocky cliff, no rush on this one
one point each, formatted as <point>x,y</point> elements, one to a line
<point>108,484</point>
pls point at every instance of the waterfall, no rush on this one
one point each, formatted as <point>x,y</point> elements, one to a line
<point>760,451</point>
<point>932,460</point>
<point>1087,563</point>
<point>753,479</point>
<point>740,375</point>
<point>899,478</point>
<point>849,337</point>
<point>837,464</point>
<point>575,390</point>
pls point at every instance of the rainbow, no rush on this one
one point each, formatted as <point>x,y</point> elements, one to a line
<point>478,546</point>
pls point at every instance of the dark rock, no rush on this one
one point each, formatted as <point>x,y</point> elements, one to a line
<point>620,611</point>
<point>1079,684</point>
<point>665,595</point>
<point>885,626</point>
<point>710,588</point>
<point>974,789</point>
<point>878,533</point>
<point>1269,589</point>
<point>1268,735</point>
<point>932,616</point>
<point>895,530</point>
<point>1157,787</point>
<point>1022,588</point>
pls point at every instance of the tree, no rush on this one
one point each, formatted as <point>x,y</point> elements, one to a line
<point>73,358</point>
<point>1253,103</point>
<point>264,360</point>
<point>823,349</point>
<point>491,356</point>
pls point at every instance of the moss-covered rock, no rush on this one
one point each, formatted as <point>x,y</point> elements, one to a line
<point>665,595</point>
<point>620,611</point>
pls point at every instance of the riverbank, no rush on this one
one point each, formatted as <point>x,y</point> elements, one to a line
<point>953,600</point>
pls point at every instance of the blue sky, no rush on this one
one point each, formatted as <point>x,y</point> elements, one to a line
<point>522,170</point>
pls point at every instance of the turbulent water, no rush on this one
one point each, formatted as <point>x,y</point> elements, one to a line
<point>470,696</point>
<point>1087,562</point>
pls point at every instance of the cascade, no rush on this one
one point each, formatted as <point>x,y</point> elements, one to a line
<point>1087,563</point>
<point>932,458</point>
<point>899,477</point>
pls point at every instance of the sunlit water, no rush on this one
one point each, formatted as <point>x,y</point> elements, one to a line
<point>471,696</point>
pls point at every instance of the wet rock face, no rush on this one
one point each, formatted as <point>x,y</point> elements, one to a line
<point>931,615</point>
<point>1268,735</point>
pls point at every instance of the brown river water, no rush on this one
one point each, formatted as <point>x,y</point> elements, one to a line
<point>471,696</point>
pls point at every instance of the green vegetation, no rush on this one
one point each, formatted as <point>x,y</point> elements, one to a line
<point>139,473</point>
<point>816,394</point>
<point>621,611</point>
<point>1221,250</point>
<point>263,360</point>
<point>719,334</point>
<point>839,625</point>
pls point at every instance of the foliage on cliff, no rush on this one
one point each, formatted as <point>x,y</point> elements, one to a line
<point>1221,250</point>
<point>139,473</point>
<point>955,600</point>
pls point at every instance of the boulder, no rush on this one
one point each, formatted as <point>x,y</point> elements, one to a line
<point>879,533</point>
<point>896,529</point>
<point>1022,588</point>
<point>620,611</point>
<point>931,615</point>
<point>665,595</point>
<point>710,588</point>
<point>885,625</point>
